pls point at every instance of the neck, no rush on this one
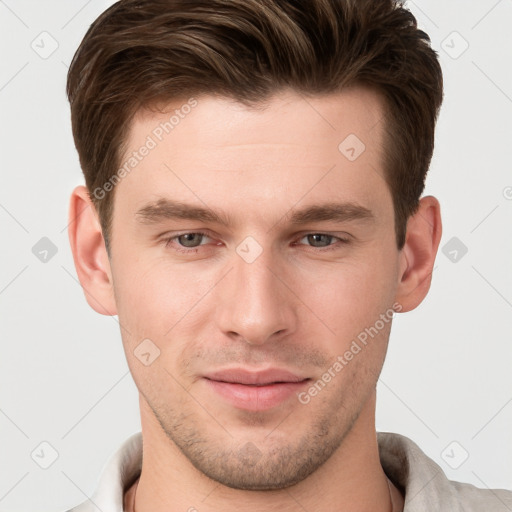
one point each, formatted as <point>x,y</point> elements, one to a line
<point>352,479</point>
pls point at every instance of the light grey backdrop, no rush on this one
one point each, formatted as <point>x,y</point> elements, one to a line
<point>447,381</point>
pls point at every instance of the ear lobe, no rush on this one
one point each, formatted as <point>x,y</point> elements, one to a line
<point>418,255</point>
<point>89,253</point>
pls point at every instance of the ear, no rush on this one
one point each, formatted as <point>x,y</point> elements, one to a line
<point>419,253</point>
<point>89,253</point>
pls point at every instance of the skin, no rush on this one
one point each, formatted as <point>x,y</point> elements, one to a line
<point>295,306</point>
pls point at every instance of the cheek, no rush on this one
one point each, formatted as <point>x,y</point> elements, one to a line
<point>167,305</point>
<point>351,295</point>
<point>154,295</point>
<point>154,309</point>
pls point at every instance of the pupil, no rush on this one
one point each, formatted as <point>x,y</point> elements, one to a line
<point>189,239</point>
<point>315,238</point>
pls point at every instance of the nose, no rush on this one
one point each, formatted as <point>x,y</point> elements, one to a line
<point>253,301</point>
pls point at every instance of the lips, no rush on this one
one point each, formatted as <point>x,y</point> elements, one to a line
<point>255,378</point>
<point>255,390</point>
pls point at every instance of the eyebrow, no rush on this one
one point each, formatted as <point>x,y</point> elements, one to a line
<point>167,209</point>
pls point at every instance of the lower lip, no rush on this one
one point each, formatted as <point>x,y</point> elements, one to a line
<point>256,398</point>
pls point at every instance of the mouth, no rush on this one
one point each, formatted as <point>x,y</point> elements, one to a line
<point>255,390</point>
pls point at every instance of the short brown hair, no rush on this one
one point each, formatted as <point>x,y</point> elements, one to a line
<point>142,52</point>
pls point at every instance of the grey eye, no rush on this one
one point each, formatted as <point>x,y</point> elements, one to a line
<point>190,239</point>
<point>319,240</point>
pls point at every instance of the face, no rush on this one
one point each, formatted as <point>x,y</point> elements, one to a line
<point>253,240</point>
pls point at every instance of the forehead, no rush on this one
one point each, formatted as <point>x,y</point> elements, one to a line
<point>217,151</point>
<point>224,121</point>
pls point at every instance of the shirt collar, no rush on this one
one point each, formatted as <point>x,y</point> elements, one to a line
<point>419,478</point>
<point>422,481</point>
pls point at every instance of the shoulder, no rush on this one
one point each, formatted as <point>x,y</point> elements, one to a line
<point>119,472</point>
<point>425,485</point>
<point>475,499</point>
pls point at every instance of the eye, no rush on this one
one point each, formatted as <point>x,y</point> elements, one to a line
<point>323,240</point>
<point>185,241</point>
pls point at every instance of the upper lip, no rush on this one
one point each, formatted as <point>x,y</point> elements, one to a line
<point>241,376</point>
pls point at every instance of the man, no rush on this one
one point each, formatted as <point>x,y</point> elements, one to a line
<point>253,215</point>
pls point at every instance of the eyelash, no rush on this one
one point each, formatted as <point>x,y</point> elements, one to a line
<point>191,250</point>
